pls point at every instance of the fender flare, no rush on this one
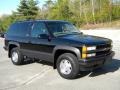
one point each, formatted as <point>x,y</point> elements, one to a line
<point>68,48</point>
<point>12,43</point>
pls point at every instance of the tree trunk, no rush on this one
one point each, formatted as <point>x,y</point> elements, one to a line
<point>84,11</point>
<point>110,12</point>
<point>80,9</point>
<point>93,10</point>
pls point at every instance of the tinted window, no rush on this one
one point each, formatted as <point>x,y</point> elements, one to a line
<point>62,28</point>
<point>39,28</point>
<point>19,29</point>
<point>12,29</point>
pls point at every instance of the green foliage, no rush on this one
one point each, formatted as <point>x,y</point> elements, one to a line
<point>1,27</point>
<point>58,10</point>
<point>5,22</point>
<point>116,12</point>
<point>27,9</point>
<point>79,12</point>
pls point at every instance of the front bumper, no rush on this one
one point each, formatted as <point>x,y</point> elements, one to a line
<point>96,62</point>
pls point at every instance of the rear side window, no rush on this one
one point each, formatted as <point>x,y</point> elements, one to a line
<point>38,28</point>
<point>19,29</point>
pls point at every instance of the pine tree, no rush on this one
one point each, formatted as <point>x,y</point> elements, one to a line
<point>27,9</point>
<point>23,8</point>
<point>33,9</point>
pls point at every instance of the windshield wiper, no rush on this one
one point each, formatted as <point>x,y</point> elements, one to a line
<point>76,33</point>
<point>60,33</point>
<point>66,33</point>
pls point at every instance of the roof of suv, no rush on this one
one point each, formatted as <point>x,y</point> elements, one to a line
<point>43,21</point>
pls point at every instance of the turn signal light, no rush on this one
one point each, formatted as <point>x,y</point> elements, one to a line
<point>84,50</point>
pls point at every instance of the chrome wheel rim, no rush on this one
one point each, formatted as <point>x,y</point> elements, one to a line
<point>15,56</point>
<point>65,67</point>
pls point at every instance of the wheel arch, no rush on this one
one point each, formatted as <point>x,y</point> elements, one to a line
<point>59,50</point>
<point>11,46</point>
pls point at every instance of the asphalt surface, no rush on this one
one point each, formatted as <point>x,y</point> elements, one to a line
<point>41,76</point>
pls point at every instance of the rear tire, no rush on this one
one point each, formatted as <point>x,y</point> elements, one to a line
<point>16,56</point>
<point>68,66</point>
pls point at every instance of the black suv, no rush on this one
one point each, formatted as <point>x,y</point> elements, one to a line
<point>58,42</point>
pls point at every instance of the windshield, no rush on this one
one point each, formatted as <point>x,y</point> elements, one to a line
<point>62,28</point>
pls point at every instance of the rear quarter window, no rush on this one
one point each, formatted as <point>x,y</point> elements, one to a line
<point>19,29</point>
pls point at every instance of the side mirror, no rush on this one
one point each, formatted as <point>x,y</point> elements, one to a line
<point>44,36</point>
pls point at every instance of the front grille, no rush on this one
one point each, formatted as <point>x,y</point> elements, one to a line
<point>103,49</point>
<point>104,46</point>
<point>102,53</point>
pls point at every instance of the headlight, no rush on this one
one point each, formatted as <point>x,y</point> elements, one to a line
<point>85,49</point>
<point>91,48</point>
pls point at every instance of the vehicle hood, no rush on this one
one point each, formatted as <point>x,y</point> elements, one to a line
<point>86,39</point>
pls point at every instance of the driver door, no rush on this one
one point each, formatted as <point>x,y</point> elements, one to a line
<point>40,47</point>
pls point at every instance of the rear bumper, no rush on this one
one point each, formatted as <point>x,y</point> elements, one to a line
<point>94,63</point>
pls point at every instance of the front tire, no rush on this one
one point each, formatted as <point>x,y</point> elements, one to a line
<point>68,66</point>
<point>16,56</point>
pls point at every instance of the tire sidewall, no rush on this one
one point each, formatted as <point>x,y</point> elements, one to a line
<point>20,57</point>
<point>74,63</point>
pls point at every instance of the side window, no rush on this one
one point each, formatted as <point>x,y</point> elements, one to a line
<point>38,28</point>
<point>23,28</point>
<point>19,29</point>
<point>11,29</point>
